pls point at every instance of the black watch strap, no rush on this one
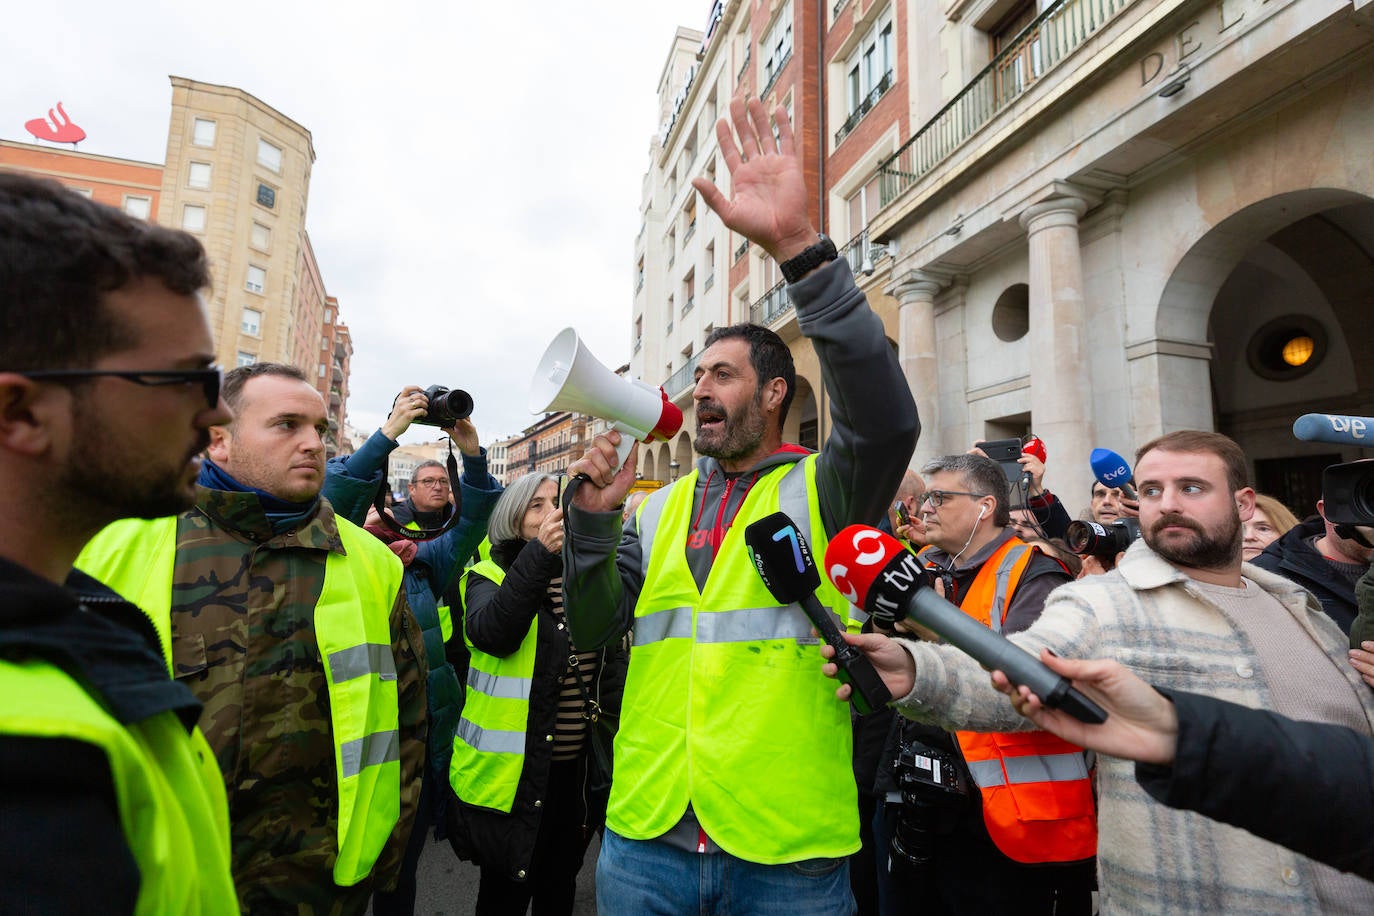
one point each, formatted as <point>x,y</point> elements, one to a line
<point>824,251</point>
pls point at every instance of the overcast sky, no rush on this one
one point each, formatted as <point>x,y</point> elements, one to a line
<point>478,165</point>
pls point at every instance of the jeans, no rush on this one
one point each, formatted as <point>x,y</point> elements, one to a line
<point>644,877</point>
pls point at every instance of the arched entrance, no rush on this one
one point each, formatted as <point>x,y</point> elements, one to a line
<point>1282,293</point>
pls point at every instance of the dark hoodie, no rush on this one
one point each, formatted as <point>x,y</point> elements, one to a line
<point>62,845</point>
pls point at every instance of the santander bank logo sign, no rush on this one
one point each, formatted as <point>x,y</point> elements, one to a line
<point>56,128</point>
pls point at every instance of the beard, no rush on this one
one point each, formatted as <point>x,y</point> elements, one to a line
<point>110,481</point>
<point>1203,550</point>
<point>739,433</point>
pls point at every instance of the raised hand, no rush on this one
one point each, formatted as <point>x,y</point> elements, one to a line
<point>464,435</point>
<point>410,404</point>
<point>768,191</point>
<point>605,486</point>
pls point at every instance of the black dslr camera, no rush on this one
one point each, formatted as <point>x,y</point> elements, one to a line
<point>1101,541</point>
<point>1348,493</point>
<point>934,794</point>
<point>446,406</point>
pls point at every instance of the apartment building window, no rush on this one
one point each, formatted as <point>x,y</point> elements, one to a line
<point>267,197</point>
<point>203,132</point>
<point>256,281</point>
<point>323,370</point>
<point>672,246</point>
<point>863,206</point>
<point>670,315</point>
<point>689,292</point>
<point>1022,63</point>
<point>251,322</point>
<point>260,237</point>
<point>193,218</point>
<point>138,207</point>
<point>269,156</point>
<point>868,73</point>
<point>689,218</point>
<point>777,47</point>
<point>710,267</point>
<point>639,275</point>
<point>246,359</point>
<point>639,332</point>
<point>198,175</point>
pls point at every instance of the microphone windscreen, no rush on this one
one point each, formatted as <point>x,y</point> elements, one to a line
<point>782,557</point>
<point>856,557</point>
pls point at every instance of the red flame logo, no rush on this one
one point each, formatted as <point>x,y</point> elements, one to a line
<point>57,128</point>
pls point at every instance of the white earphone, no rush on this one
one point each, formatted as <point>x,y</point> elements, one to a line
<point>982,510</point>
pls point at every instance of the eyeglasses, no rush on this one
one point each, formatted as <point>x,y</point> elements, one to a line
<point>209,379</point>
<point>434,483</point>
<point>937,497</point>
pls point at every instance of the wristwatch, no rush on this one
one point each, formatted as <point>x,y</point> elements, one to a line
<point>823,252</point>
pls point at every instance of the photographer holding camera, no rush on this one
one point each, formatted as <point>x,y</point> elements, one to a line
<point>351,484</point>
<point>958,844</point>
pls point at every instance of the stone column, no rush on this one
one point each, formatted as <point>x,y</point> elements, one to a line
<point>915,292</point>
<point>1059,375</point>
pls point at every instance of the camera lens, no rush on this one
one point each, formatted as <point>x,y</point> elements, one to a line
<point>1084,537</point>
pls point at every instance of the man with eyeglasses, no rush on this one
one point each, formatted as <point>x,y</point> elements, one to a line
<point>290,624</point>
<point>431,566</point>
<point>985,859</point>
<point>107,394</point>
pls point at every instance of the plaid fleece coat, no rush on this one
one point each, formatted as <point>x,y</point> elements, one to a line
<point>1149,616</point>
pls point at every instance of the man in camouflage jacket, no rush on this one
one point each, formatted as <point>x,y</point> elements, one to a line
<point>249,569</point>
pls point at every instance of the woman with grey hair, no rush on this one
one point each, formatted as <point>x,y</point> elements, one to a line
<point>530,790</point>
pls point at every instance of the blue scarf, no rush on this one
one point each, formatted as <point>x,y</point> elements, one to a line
<point>282,514</point>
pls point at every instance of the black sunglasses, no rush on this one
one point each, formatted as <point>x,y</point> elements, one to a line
<point>209,379</point>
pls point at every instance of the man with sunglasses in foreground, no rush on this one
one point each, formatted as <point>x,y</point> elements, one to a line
<point>983,857</point>
<point>291,625</point>
<point>109,799</point>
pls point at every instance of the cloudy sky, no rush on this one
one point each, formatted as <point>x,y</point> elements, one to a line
<point>478,165</point>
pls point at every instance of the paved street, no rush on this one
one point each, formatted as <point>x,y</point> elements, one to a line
<point>448,887</point>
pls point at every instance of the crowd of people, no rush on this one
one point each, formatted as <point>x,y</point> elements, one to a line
<point>233,678</point>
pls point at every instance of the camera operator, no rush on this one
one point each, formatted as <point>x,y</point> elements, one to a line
<point>1179,609</point>
<point>970,851</point>
<point>1314,555</point>
<point>351,484</point>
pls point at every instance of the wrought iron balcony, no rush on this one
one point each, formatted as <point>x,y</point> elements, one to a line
<point>774,305</point>
<point>773,77</point>
<point>1062,28</point>
<point>709,282</point>
<point>681,380</point>
<point>688,305</point>
<point>742,249</point>
<point>744,67</point>
<point>864,107</point>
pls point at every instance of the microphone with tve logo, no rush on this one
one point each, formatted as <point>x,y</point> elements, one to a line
<point>783,559</point>
<point>1111,470</point>
<point>875,572</point>
<point>1335,429</point>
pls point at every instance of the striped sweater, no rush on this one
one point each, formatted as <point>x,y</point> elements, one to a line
<point>1149,616</point>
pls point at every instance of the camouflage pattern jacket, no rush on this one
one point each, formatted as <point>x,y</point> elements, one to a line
<point>243,640</point>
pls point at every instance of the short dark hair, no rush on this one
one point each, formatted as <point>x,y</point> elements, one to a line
<point>415,474</point>
<point>234,380</point>
<point>978,475</point>
<point>60,254</point>
<point>1198,440</point>
<point>767,354</point>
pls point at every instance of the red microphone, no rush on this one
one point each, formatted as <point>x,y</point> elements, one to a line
<point>1034,445</point>
<point>875,572</point>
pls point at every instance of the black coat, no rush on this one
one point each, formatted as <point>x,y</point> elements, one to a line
<point>497,619</point>
<point>1304,785</point>
<point>1298,561</point>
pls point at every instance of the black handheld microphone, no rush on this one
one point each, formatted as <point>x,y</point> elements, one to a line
<point>1336,429</point>
<point>783,559</point>
<point>872,570</point>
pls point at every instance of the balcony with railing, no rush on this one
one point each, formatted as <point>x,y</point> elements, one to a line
<point>744,67</point>
<point>709,282</point>
<point>688,305</point>
<point>691,231</point>
<point>742,250</point>
<point>773,77</point>
<point>681,380</point>
<point>773,305</point>
<point>864,107</point>
<point>1062,28</point>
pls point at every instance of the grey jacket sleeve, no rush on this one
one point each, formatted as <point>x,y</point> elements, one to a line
<point>873,420</point>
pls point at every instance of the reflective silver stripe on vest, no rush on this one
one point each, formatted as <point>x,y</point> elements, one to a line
<point>998,611</point>
<point>670,623</point>
<point>370,751</point>
<point>356,661</point>
<point>856,615</point>
<point>1049,768</point>
<point>649,512</point>
<point>491,741</point>
<point>752,624</point>
<point>503,687</point>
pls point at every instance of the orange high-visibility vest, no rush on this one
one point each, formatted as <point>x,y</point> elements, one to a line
<point>1037,793</point>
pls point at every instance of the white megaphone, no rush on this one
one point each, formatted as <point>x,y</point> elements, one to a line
<point>570,378</point>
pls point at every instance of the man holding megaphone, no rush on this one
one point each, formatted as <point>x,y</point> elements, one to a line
<point>730,759</point>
